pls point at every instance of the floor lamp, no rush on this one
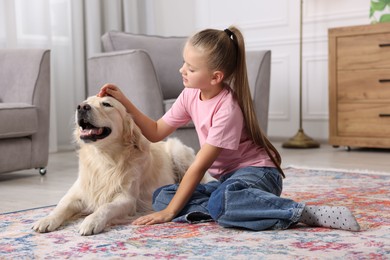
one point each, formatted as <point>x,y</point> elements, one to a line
<point>300,140</point>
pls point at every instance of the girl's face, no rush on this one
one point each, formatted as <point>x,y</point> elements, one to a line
<point>195,71</point>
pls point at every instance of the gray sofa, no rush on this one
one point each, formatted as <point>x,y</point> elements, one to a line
<point>24,109</point>
<point>146,68</point>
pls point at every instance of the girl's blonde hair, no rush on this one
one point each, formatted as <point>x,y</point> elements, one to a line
<point>225,52</point>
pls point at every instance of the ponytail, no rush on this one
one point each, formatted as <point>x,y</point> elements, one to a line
<point>244,98</point>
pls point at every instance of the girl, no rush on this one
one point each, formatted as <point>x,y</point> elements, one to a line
<point>233,150</point>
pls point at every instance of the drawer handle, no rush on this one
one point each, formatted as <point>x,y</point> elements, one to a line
<point>384,80</point>
<point>384,45</point>
<point>384,115</point>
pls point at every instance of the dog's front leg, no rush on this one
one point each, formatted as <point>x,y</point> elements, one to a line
<point>97,221</point>
<point>68,206</point>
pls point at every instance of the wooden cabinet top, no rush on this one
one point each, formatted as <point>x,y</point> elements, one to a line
<point>359,29</point>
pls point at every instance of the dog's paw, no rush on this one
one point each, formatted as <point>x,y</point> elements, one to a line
<point>47,224</point>
<point>92,225</point>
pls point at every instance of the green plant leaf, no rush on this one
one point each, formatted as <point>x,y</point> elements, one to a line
<point>371,12</point>
<point>378,5</point>
<point>384,18</point>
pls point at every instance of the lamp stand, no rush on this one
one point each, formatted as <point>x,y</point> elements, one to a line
<point>300,139</point>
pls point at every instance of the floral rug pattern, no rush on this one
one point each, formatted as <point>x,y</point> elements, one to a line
<point>366,194</point>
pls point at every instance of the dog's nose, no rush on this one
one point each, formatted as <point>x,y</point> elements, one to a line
<point>83,107</point>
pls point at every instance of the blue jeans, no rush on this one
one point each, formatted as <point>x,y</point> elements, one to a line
<point>247,198</point>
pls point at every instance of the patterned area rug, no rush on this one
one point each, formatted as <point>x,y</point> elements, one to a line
<point>366,194</point>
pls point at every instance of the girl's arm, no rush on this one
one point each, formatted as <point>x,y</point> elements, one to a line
<point>154,131</point>
<point>204,159</point>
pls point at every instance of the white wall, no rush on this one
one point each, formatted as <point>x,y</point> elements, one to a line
<point>274,25</point>
<point>265,24</point>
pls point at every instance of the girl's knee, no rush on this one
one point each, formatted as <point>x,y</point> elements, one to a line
<point>215,207</point>
<point>163,195</point>
<point>217,201</point>
<point>167,189</point>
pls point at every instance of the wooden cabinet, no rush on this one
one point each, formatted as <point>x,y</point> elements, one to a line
<point>359,86</point>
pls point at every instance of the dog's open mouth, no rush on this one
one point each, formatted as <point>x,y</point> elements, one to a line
<point>89,132</point>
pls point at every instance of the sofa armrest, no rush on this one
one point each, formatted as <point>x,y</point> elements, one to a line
<point>133,72</point>
<point>259,73</point>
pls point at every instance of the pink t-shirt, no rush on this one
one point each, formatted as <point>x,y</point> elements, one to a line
<point>218,122</point>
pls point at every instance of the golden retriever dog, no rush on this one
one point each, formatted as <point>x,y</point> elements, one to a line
<point>119,169</point>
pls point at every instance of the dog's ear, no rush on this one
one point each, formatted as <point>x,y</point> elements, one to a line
<point>133,136</point>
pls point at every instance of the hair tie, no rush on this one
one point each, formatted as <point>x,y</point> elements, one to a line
<point>229,33</point>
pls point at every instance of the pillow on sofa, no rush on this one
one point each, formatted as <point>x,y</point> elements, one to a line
<point>165,53</point>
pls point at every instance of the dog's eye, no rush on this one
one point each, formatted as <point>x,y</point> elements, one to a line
<point>106,104</point>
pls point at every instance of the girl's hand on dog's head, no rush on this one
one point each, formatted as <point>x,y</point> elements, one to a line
<point>104,91</point>
<point>114,91</point>
<point>101,93</point>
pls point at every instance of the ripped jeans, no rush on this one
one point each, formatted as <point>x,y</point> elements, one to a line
<point>246,198</point>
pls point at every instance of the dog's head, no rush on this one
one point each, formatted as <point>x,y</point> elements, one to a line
<point>102,119</point>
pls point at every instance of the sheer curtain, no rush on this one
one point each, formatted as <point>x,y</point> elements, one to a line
<point>72,30</point>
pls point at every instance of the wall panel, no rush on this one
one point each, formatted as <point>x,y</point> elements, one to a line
<point>275,26</point>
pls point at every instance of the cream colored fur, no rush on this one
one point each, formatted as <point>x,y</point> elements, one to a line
<point>117,174</point>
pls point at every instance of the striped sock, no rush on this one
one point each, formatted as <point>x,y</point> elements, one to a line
<point>330,217</point>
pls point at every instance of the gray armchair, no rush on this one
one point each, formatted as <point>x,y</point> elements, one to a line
<point>24,109</point>
<point>147,70</point>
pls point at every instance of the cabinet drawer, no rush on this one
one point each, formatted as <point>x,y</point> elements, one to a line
<point>370,85</point>
<point>363,51</point>
<point>363,119</point>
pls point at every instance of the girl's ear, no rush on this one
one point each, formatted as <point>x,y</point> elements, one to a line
<point>217,78</point>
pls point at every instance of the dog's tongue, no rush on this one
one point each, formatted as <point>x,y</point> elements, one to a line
<point>90,132</point>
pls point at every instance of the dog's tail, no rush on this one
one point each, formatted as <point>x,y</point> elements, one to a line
<point>181,155</point>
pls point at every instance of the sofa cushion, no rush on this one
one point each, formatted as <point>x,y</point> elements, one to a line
<point>17,120</point>
<point>165,53</point>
